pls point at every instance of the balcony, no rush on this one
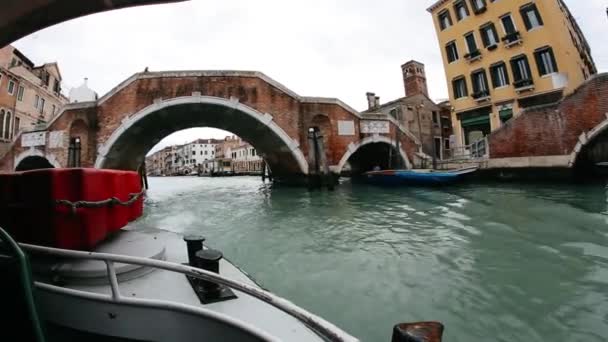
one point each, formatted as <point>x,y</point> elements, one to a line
<point>481,96</point>
<point>524,85</point>
<point>480,10</point>
<point>492,47</point>
<point>473,56</point>
<point>511,39</point>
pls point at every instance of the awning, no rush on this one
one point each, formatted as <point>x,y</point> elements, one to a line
<point>475,121</point>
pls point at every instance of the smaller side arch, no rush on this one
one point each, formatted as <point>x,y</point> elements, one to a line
<point>354,147</point>
<point>34,152</point>
<point>585,138</point>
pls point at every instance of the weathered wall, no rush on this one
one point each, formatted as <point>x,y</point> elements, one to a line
<point>555,129</point>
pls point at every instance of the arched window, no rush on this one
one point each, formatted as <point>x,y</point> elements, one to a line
<point>7,126</point>
<point>2,116</point>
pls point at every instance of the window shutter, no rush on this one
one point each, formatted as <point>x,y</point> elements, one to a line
<point>539,63</point>
<point>484,36</point>
<point>516,71</point>
<point>524,16</point>
<point>537,13</point>
<point>553,60</point>
<point>494,76</point>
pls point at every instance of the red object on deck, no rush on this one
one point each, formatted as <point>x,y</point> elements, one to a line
<point>29,209</point>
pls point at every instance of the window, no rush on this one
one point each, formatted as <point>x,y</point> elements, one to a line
<point>2,117</point>
<point>54,110</point>
<point>446,146</point>
<point>435,118</point>
<point>531,16</point>
<point>41,105</point>
<point>20,93</point>
<point>471,43</point>
<point>480,84</point>
<point>11,87</point>
<point>16,126</point>
<point>7,126</point>
<point>74,152</point>
<point>479,6</point>
<point>545,60</point>
<point>36,100</point>
<point>508,24</point>
<point>445,20</point>
<point>205,152</point>
<point>500,78</point>
<point>521,71</point>
<point>459,86</point>
<point>489,36</point>
<point>451,51</point>
<point>461,9</point>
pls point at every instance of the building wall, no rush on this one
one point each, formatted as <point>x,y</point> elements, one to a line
<point>555,32</point>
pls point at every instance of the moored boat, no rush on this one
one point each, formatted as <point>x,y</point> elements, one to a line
<point>417,177</point>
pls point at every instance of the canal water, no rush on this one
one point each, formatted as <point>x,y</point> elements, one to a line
<point>493,262</point>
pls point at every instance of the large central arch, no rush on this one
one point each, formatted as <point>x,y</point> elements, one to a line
<point>127,146</point>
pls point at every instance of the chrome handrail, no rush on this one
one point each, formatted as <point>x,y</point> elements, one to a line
<point>320,326</point>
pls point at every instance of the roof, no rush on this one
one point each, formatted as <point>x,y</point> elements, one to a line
<point>399,100</point>
<point>23,57</point>
<point>436,5</point>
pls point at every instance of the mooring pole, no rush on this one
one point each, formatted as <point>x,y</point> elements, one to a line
<point>263,170</point>
<point>325,176</point>
<point>312,159</point>
<point>144,175</point>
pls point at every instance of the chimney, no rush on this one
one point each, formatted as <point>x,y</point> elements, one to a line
<point>414,78</point>
<point>376,101</point>
<point>371,100</point>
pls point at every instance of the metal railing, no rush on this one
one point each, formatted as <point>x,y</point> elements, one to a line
<point>475,151</point>
<point>321,327</point>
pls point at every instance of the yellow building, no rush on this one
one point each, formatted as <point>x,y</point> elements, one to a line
<point>504,55</point>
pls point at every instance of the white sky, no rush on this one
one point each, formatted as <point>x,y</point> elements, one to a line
<point>330,48</point>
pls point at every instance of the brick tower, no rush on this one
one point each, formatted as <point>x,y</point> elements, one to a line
<point>414,78</point>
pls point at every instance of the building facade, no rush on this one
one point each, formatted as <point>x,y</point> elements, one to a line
<point>503,56</point>
<point>246,160</point>
<point>29,95</point>
<point>416,112</point>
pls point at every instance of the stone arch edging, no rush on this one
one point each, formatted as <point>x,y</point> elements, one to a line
<point>233,103</point>
<point>585,138</point>
<point>376,138</point>
<point>34,152</point>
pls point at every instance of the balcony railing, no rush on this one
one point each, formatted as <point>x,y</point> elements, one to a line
<point>512,38</point>
<point>473,55</point>
<point>481,95</point>
<point>480,10</point>
<point>525,84</point>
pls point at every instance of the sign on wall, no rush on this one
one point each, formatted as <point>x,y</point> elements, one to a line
<point>56,139</point>
<point>33,139</point>
<point>375,126</point>
<point>346,127</point>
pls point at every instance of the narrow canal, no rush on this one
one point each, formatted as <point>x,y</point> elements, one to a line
<point>493,262</point>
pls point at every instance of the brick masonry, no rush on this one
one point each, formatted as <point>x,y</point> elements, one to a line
<point>553,129</point>
<point>96,122</point>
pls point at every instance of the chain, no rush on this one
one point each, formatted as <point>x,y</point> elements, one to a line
<point>100,204</point>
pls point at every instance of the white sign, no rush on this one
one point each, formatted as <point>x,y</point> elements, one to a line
<point>346,127</point>
<point>375,126</point>
<point>33,139</point>
<point>56,139</point>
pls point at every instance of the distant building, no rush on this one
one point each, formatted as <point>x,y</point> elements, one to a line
<point>245,159</point>
<point>29,95</point>
<point>416,112</point>
<point>83,93</point>
<point>197,152</point>
<point>503,56</point>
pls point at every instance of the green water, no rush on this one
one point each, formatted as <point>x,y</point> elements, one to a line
<point>493,262</point>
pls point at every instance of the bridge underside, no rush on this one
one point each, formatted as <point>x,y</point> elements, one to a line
<point>18,18</point>
<point>129,150</point>
<point>373,155</point>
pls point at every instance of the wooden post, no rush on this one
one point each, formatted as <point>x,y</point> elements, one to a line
<point>263,171</point>
<point>144,175</point>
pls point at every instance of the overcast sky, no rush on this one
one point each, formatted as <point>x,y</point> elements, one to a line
<point>330,48</point>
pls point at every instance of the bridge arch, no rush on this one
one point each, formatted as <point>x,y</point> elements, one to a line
<point>35,159</point>
<point>591,147</point>
<point>374,139</point>
<point>137,134</point>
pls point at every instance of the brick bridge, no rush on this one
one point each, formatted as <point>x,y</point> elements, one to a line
<point>118,130</point>
<point>571,134</point>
